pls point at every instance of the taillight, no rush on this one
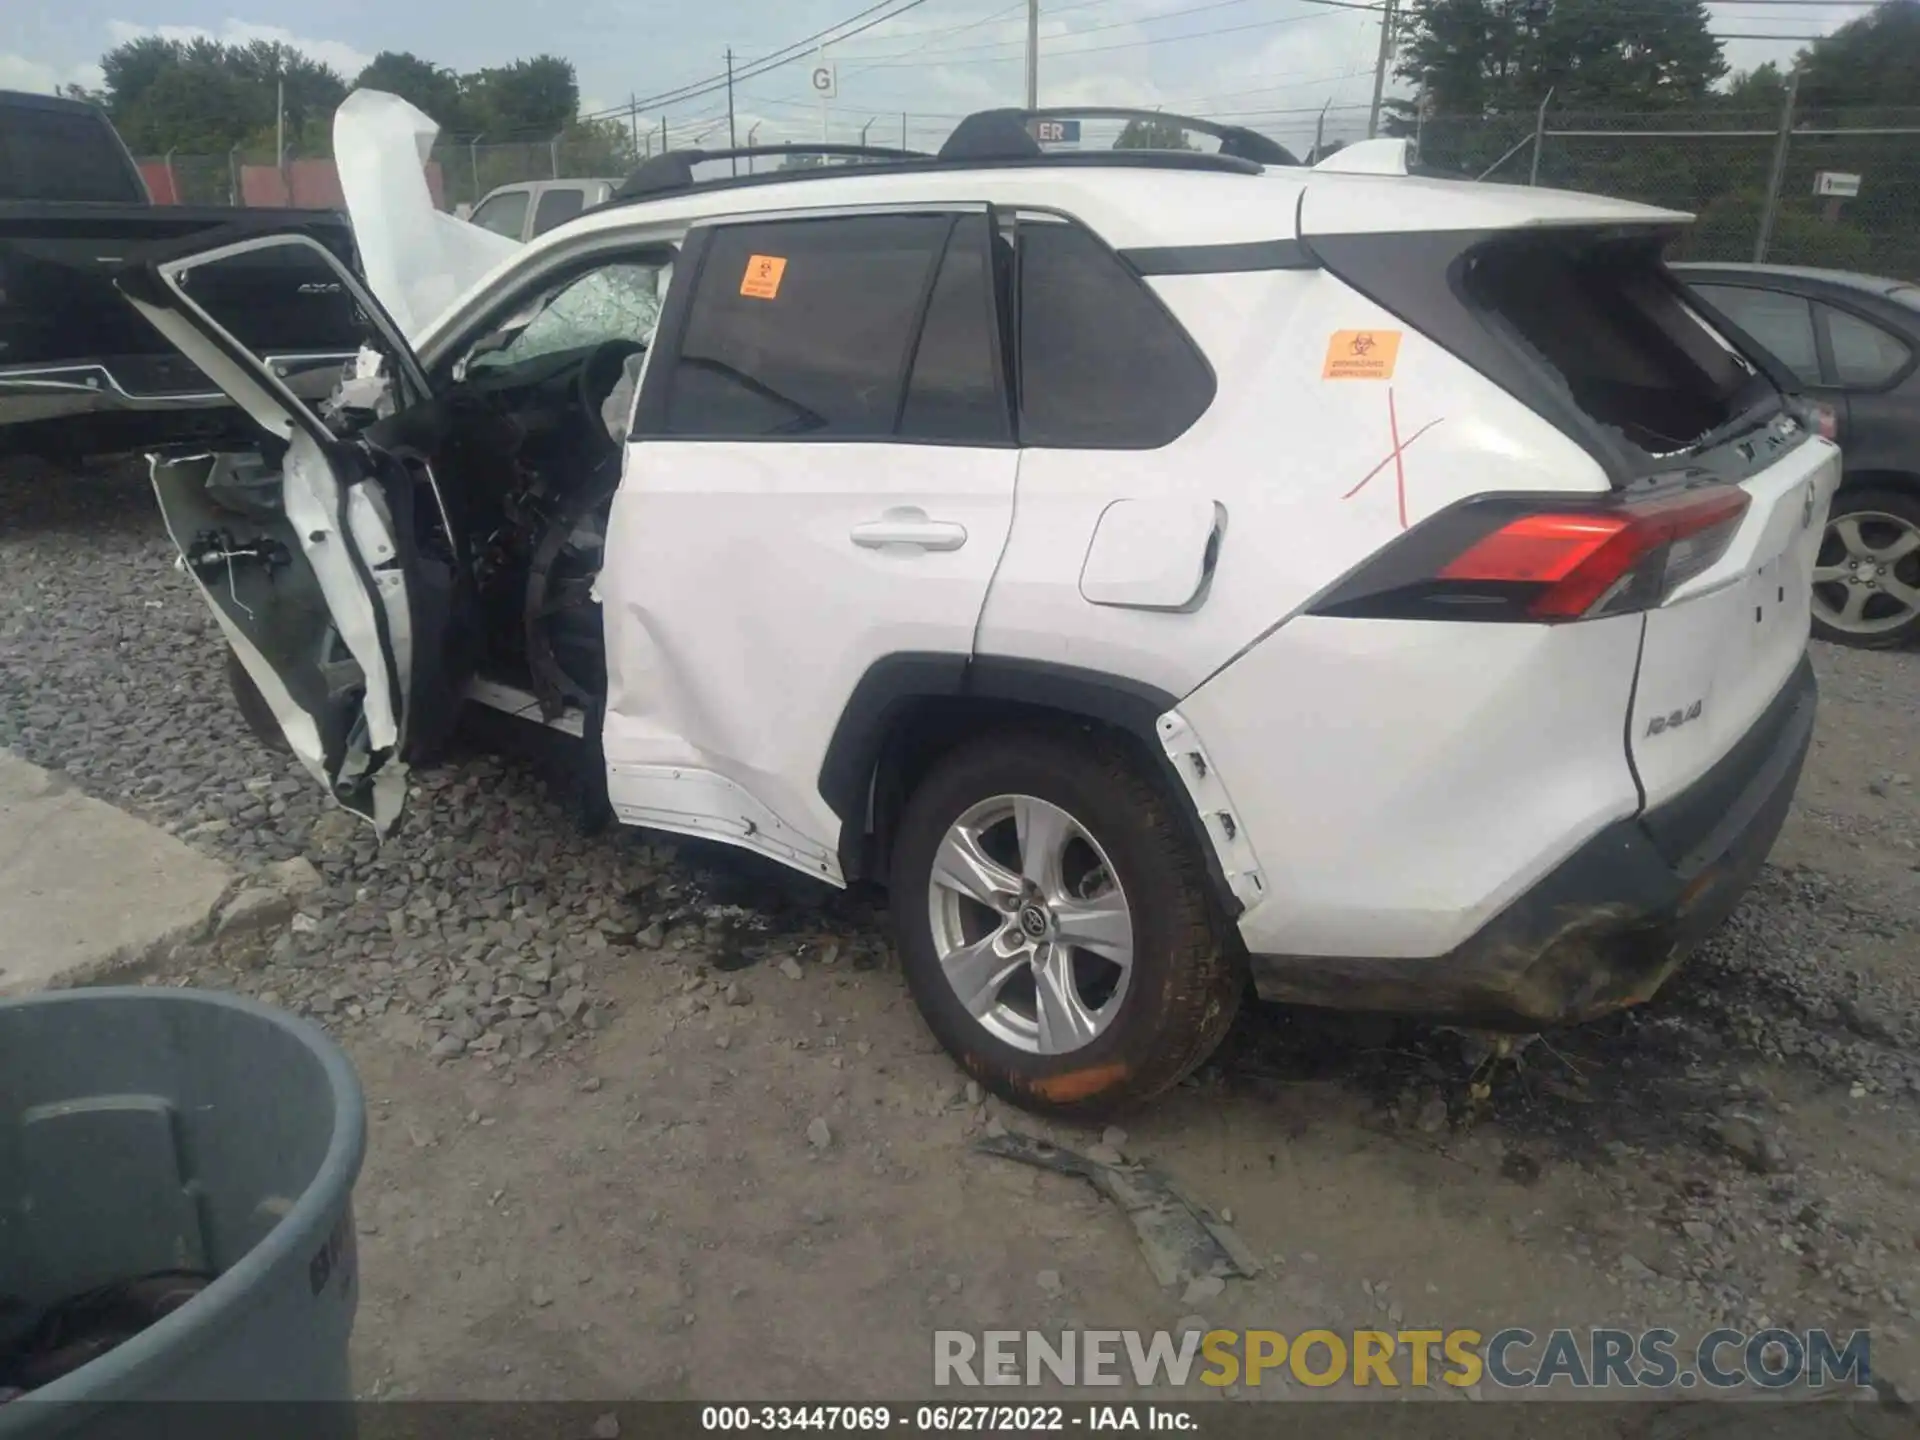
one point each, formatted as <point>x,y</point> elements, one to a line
<point>1543,559</point>
<point>1826,420</point>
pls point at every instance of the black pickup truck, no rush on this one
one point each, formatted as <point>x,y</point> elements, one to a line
<point>80,372</point>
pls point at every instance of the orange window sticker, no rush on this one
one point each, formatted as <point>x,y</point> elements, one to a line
<point>1362,355</point>
<point>762,280</point>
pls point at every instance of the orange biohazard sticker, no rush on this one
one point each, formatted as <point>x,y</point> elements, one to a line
<point>762,280</point>
<point>1362,355</point>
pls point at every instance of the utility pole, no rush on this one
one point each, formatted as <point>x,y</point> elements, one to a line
<point>1779,176</point>
<point>903,130</point>
<point>821,63</point>
<point>633,124</point>
<point>733,140</point>
<point>1033,54</point>
<point>1380,68</point>
<point>1539,136</point>
<point>280,129</point>
<point>663,134</point>
<point>1320,133</point>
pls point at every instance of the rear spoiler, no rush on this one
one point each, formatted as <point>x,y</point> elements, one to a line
<point>1370,157</point>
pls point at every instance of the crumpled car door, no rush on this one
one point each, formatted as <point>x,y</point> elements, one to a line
<point>328,562</point>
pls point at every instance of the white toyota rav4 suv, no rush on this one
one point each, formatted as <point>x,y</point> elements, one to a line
<point>1172,574</point>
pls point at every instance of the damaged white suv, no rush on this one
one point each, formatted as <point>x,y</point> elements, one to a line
<point>1173,574</point>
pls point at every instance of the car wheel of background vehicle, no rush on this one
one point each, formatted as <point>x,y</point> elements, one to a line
<point>1055,924</point>
<point>1866,583</point>
<point>254,708</point>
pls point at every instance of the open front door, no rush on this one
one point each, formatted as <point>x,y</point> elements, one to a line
<point>328,562</point>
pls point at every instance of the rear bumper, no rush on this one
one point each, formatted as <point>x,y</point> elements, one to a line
<point>1607,927</point>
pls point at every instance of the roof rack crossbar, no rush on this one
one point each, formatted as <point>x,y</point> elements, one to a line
<point>1235,140</point>
<point>673,169</point>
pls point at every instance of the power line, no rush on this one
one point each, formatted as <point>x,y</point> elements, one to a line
<point>1132,21</point>
<point>785,55</point>
<point>1056,51</point>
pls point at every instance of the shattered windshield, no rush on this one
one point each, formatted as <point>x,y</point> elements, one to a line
<point>615,302</point>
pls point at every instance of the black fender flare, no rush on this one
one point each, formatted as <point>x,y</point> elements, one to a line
<point>896,684</point>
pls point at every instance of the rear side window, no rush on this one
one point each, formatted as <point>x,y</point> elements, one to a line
<point>60,154</point>
<point>869,327</point>
<point>1782,324</point>
<point>1864,354</point>
<point>1102,364</point>
<point>504,214</point>
<point>556,207</point>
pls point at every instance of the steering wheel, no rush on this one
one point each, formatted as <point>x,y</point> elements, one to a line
<point>597,377</point>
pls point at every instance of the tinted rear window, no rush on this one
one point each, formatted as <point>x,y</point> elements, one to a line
<point>805,327</point>
<point>1781,324</point>
<point>504,214</point>
<point>557,207</point>
<point>61,154</point>
<point>1102,363</point>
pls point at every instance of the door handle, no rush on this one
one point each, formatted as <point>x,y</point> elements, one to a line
<point>909,527</point>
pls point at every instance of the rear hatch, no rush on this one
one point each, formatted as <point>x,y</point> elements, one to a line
<point>1565,302</point>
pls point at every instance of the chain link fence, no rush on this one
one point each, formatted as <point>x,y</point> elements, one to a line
<point>1753,179</point>
<point>1750,176</point>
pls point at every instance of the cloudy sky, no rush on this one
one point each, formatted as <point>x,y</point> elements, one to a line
<point>1267,63</point>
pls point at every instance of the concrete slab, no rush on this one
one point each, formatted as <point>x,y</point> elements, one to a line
<point>85,888</point>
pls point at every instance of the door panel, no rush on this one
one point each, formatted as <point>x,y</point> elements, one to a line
<point>821,477</point>
<point>742,604</point>
<point>328,566</point>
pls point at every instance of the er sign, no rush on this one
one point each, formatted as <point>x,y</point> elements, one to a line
<point>1056,132</point>
<point>1837,184</point>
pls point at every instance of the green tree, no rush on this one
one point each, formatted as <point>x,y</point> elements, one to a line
<point>431,88</point>
<point>529,97</point>
<point>200,95</point>
<point>1872,61</point>
<point>1153,135</point>
<point>1501,57</point>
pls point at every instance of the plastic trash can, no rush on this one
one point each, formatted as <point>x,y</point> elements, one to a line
<point>153,1131</point>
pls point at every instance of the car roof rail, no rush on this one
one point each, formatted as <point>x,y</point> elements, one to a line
<point>994,131</point>
<point>987,139</point>
<point>673,169</point>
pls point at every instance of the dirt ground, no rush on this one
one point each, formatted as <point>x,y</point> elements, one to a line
<point>633,1217</point>
<point>596,1069</point>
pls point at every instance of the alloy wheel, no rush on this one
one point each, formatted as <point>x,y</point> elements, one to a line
<point>1867,579</point>
<point>1030,923</point>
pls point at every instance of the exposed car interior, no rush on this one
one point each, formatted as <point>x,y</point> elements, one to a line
<point>522,436</point>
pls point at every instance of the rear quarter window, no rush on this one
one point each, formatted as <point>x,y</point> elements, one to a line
<point>1102,364</point>
<point>62,154</point>
<point>1864,355</point>
<point>556,207</point>
<point>1781,323</point>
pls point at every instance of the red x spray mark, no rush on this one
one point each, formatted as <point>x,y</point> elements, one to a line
<point>1395,459</point>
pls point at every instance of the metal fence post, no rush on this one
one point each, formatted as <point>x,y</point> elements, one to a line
<point>1779,176</point>
<point>1539,136</point>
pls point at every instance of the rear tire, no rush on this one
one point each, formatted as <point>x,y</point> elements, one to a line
<point>254,708</point>
<point>1872,536</point>
<point>1054,1026</point>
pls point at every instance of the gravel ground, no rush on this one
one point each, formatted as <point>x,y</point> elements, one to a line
<point>1741,1150</point>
